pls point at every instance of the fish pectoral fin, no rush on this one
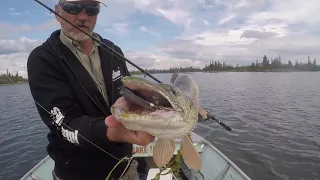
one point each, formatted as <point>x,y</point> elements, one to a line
<point>190,155</point>
<point>163,152</point>
<point>203,113</point>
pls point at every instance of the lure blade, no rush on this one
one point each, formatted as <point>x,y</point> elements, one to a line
<point>129,94</point>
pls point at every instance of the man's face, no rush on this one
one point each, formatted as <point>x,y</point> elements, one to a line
<point>74,13</point>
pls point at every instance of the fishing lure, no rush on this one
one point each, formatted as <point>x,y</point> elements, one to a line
<point>129,94</point>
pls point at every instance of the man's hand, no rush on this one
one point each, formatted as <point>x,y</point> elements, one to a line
<point>118,133</point>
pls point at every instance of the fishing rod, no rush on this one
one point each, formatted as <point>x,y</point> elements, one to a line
<point>58,122</point>
<point>122,58</point>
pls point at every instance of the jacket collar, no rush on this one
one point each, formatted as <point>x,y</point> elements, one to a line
<point>83,76</point>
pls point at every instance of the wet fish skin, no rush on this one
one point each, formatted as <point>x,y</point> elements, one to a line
<point>167,124</point>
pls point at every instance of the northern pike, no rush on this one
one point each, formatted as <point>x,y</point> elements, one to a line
<point>175,117</point>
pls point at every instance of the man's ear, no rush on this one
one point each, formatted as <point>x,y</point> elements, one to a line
<point>57,10</point>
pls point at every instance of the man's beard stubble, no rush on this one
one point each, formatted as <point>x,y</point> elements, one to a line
<point>80,36</point>
<point>77,36</point>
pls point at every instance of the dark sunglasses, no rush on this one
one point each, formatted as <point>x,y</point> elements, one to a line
<point>74,8</point>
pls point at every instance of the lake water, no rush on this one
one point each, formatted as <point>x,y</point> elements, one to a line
<point>275,119</point>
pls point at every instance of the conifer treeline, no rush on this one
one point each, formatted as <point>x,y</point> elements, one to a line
<point>7,78</point>
<point>266,65</point>
<point>272,64</point>
<point>170,70</point>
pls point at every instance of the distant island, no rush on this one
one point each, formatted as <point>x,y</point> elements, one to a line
<point>8,78</point>
<point>267,65</point>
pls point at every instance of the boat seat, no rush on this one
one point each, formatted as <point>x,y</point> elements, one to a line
<point>154,171</point>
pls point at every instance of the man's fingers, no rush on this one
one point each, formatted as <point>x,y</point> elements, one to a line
<point>111,121</point>
<point>117,129</point>
<point>144,138</point>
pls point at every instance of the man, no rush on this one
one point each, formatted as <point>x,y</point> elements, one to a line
<point>71,73</point>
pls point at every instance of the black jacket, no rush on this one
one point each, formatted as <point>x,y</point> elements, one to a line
<point>58,79</point>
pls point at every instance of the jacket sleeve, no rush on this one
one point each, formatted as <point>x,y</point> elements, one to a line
<point>126,71</point>
<point>50,88</point>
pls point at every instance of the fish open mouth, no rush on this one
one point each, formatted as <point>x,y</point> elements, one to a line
<point>136,99</point>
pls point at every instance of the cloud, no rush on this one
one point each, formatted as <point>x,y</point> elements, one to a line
<point>152,61</point>
<point>250,29</point>
<point>23,44</point>
<point>13,12</point>
<point>14,54</point>
<point>8,30</point>
<point>193,32</point>
<point>227,18</point>
<point>147,30</point>
<point>243,46</point>
<point>120,28</point>
<point>257,34</point>
<point>18,13</point>
<point>177,16</point>
<point>290,11</point>
<point>14,62</point>
<point>115,12</point>
<point>177,12</point>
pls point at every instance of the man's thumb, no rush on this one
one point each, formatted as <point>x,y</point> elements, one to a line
<point>111,121</point>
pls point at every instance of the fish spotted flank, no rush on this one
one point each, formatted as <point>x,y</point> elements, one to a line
<point>176,117</point>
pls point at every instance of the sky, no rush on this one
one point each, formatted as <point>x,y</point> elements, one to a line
<point>174,33</point>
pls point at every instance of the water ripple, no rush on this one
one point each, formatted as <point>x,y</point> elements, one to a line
<point>274,116</point>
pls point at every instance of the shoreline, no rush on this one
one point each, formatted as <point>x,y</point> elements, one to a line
<point>268,71</point>
<point>14,84</point>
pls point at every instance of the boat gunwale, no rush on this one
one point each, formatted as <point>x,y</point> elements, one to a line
<point>201,139</point>
<point>232,164</point>
<point>35,167</point>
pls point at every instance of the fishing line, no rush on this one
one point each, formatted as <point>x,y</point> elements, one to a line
<point>129,159</point>
<point>121,57</point>
<point>70,127</point>
<point>125,158</point>
<point>104,46</point>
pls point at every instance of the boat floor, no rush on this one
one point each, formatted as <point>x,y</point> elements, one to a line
<point>215,165</point>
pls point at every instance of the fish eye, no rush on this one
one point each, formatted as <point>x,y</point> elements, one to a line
<point>173,91</point>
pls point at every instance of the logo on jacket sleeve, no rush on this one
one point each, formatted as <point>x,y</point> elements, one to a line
<point>116,74</point>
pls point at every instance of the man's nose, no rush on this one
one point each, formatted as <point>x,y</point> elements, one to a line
<point>83,15</point>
